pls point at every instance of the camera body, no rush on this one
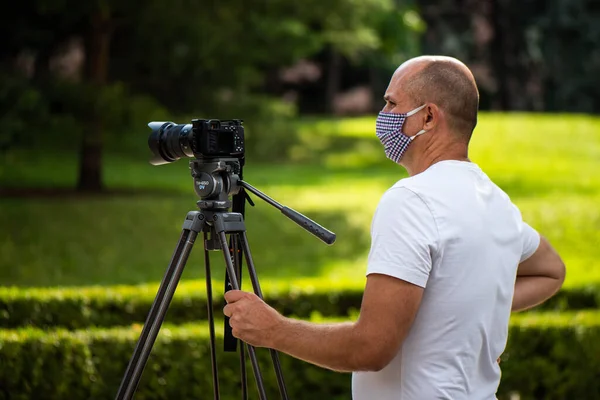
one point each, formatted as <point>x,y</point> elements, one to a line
<point>216,138</point>
<point>202,139</point>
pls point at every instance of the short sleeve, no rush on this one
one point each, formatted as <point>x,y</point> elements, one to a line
<point>403,237</point>
<point>531,241</point>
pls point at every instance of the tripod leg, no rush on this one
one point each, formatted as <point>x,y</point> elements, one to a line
<point>159,308</point>
<point>231,270</point>
<point>258,291</point>
<point>211,322</point>
<point>234,241</point>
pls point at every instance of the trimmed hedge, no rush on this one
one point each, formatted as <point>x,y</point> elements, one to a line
<point>552,356</point>
<point>549,356</point>
<point>90,364</point>
<point>75,308</point>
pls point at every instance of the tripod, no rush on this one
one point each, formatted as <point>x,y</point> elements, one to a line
<point>215,221</point>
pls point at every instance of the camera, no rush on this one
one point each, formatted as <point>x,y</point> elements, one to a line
<point>202,139</point>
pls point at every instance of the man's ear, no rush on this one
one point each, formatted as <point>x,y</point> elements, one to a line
<point>431,117</point>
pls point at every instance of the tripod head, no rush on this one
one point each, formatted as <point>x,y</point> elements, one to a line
<point>217,179</point>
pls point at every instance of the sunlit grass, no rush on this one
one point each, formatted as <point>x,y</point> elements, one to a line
<point>548,164</point>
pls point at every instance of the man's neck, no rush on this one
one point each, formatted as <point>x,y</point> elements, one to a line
<point>435,154</point>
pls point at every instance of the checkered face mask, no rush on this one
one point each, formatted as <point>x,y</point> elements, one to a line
<point>388,129</point>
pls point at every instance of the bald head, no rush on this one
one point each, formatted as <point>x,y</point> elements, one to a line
<point>446,82</point>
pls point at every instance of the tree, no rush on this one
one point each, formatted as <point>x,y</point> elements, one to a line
<point>534,55</point>
<point>97,51</point>
<point>190,55</point>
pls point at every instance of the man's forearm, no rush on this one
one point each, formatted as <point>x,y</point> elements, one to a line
<point>533,290</point>
<point>539,277</point>
<point>333,346</point>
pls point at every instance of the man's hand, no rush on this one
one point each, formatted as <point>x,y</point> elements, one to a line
<point>251,319</point>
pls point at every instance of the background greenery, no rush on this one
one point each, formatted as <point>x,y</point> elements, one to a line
<point>87,225</point>
<point>339,174</point>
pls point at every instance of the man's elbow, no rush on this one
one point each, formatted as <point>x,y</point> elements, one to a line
<point>552,263</point>
<point>381,360</point>
<point>378,364</point>
<point>555,277</point>
<point>561,274</point>
<point>374,358</point>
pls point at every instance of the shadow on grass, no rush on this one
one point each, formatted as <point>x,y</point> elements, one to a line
<point>126,174</point>
<point>130,240</point>
<point>165,184</point>
<point>71,193</point>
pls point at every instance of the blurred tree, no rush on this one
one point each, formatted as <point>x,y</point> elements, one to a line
<point>229,46</point>
<point>209,55</point>
<point>97,55</point>
<point>38,33</point>
<point>391,34</point>
<point>529,55</point>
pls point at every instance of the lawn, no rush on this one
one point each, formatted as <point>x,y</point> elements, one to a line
<point>548,164</point>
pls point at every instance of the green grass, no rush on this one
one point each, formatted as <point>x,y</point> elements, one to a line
<point>548,164</point>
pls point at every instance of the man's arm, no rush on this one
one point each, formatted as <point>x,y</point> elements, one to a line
<point>387,312</point>
<point>538,278</point>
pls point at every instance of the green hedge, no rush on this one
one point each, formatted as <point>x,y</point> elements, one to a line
<point>75,308</point>
<point>90,364</point>
<point>549,356</point>
<point>553,356</point>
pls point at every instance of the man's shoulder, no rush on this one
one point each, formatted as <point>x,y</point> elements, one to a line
<point>441,177</point>
<point>420,185</point>
<point>436,186</point>
<point>404,194</point>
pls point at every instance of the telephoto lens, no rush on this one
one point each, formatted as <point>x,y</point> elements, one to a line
<point>169,142</point>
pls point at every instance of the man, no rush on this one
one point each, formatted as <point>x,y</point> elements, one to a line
<point>450,258</point>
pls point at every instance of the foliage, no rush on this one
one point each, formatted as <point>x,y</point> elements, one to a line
<point>535,55</point>
<point>77,308</point>
<point>269,124</point>
<point>546,358</point>
<point>50,116</point>
<point>210,58</point>
<point>552,356</point>
<point>187,64</point>
<point>232,45</point>
<point>22,107</point>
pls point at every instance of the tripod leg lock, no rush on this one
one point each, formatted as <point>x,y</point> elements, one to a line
<point>229,222</point>
<point>194,221</point>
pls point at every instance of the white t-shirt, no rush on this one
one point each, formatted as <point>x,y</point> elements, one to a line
<point>452,231</point>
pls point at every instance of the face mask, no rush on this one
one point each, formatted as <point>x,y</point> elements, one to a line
<point>388,129</point>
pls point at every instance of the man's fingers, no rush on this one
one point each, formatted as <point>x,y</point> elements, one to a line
<point>231,296</point>
<point>227,310</point>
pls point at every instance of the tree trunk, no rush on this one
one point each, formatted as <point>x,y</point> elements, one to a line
<point>334,78</point>
<point>499,54</point>
<point>97,56</point>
